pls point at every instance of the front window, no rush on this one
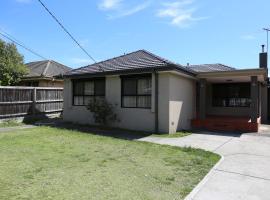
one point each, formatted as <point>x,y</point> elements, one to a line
<point>136,92</point>
<point>87,91</point>
<point>231,95</point>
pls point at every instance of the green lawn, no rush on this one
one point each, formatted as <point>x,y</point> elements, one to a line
<point>10,123</point>
<point>49,163</point>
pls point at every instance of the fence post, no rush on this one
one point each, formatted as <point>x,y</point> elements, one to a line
<point>34,99</point>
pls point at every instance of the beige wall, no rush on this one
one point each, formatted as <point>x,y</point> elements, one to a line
<point>176,105</point>
<point>163,102</point>
<point>130,118</point>
<point>47,83</point>
<point>182,102</point>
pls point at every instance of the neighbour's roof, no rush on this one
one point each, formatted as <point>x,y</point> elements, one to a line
<point>46,68</point>
<point>210,68</point>
<point>140,61</point>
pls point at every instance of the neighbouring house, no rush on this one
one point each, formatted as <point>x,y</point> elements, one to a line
<point>46,73</point>
<point>156,95</point>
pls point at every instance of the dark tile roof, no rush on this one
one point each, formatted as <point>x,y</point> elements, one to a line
<point>46,68</point>
<point>141,60</point>
<point>209,68</point>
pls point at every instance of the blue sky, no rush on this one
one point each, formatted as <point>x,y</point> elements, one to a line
<point>194,31</point>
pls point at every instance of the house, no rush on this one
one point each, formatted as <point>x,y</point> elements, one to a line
<point>156,95</point>
<point>46,73</point>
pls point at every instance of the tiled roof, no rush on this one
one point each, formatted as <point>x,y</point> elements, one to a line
<point>138,60</point>
<point>210,68</point>
<point>46,68</point>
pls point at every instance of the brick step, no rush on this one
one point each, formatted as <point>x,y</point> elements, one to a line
<point>223,125</point>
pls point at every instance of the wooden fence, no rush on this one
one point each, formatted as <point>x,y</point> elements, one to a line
<point>21,101</point>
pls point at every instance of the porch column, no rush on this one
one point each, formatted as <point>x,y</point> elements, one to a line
<point>254,99</point>
<point>202,99</point>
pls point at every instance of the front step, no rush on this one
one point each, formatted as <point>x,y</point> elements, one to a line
<point>225,125</point>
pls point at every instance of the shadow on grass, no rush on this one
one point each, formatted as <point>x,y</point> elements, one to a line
<point>95,130</point>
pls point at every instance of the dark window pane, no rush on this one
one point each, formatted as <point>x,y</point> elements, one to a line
<point>100,87</point>
<point>144,101</point>
<point>231,95</point>
<point>129,101</point>
<point>78,88</point>
<point>78,100</point>
<point>129,87</point>
<point>89,88</point>
<point>144,86</point>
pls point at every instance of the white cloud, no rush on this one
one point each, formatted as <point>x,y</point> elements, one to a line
<point>110,4</point>
<point>81,61</point>
<point>179,12</point>
<point>131,11</point>
<point>248,37</point>
<point>23,1</point>
<point>122,8</point>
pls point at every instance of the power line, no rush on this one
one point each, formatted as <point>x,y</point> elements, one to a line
<point>11,38</point>
<point>62,26</point>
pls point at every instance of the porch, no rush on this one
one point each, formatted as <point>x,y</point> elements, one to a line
<point>231,101</point>
<point>226,123</point>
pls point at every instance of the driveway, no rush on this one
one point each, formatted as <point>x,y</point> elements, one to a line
<point>242,174</point>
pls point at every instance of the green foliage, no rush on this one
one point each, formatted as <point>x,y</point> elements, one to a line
<point>9,123</point>
<point>103,112</point>
<point>11,64</point>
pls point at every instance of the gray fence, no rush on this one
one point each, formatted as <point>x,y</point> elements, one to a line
<point>21,101</point>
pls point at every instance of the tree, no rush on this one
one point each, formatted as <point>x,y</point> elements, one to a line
<point>12,66</point>
<point>103,112</point>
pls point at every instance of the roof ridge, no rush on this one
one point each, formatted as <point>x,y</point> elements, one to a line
<point>161,58</point>
<point>62,65</point>
<point>116,57</point>
<point>46,68</point>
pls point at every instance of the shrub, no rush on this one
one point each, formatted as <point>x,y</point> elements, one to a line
<point>103,111</point>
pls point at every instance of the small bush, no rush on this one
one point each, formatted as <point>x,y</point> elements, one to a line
<point>103,112</point>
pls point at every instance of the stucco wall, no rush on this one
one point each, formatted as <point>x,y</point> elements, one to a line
<point>163,103</point>
<point>130,118</point>
<point>176,105</point>
<point>47,83</point>
<point>182,102</point>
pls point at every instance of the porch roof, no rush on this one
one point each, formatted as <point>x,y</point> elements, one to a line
<point>242,75</point>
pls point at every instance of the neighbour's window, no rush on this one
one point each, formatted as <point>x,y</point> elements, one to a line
<point>231,95</point>
<point>87,91</point>
<point>136,92</point>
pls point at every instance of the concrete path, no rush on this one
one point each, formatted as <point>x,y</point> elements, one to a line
<point>242,174</point>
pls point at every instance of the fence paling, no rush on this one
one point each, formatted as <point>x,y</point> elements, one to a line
<point>17,101</point>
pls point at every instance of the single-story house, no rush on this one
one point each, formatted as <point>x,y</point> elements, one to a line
<point>156,95</point>
<point>46,73</point>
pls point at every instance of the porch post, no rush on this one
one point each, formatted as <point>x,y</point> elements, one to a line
<point>202,99</point>
<point>254,99</point>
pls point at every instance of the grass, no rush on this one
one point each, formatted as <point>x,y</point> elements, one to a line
<point>10,123</point>
<point>49,163</point>
<point>175,135</point>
